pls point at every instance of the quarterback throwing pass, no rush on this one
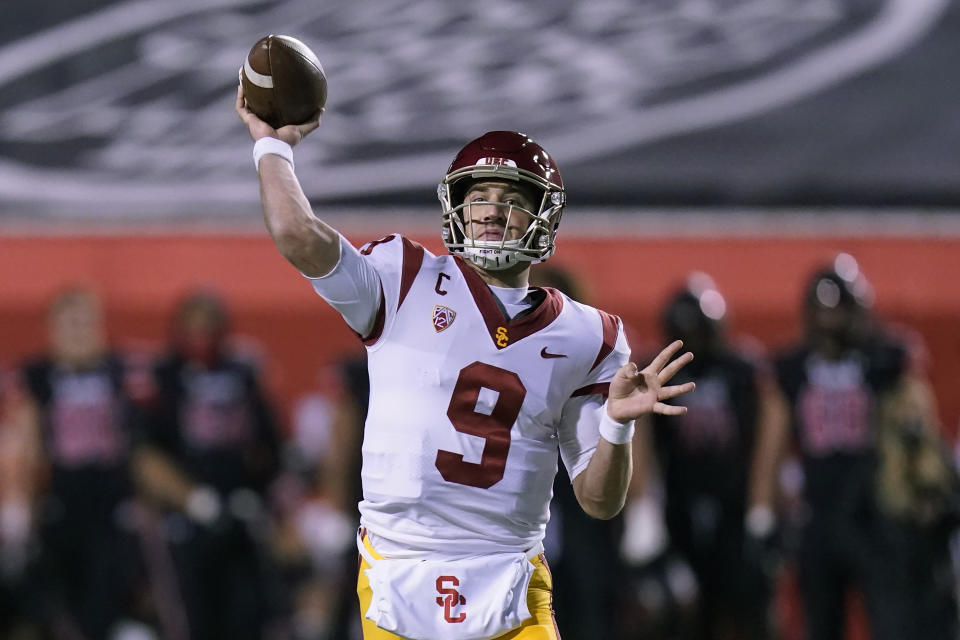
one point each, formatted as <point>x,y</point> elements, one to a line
<point>477,381</point>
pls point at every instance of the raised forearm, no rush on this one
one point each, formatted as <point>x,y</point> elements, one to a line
<point>634,393</point>
<point>311,245</point>
<point>160,479</point>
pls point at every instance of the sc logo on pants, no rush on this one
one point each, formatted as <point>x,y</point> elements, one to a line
<point>452,599</point>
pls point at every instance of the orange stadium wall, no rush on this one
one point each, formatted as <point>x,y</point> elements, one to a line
<point>141,277</point>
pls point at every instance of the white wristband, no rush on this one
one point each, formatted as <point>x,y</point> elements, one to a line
<point>615,432</point>
<point>760,521</point>
<point>203,505</point>
<point>263,146</point>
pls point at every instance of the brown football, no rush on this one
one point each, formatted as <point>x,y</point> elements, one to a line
<point>283,81</point>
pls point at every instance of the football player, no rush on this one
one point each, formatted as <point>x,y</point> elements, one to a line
<point>83,421</point>
<point>846,366</point>
<point>476,381</point>
<point>207,454</point>
<point>719,465</point>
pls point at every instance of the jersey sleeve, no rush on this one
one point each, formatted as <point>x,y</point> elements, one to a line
<point>159,428</point>
<point>888,362</point>
<point>354,288</point>
<point>364,283</point>
<point>579,429</point>
<point>613,353</point>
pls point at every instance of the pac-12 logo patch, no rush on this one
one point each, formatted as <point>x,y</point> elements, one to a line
<point>442,317</point>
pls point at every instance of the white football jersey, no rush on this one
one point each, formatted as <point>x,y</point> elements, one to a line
<point>468,409</point>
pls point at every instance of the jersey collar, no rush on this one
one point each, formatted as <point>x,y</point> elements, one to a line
<point>502,331</point>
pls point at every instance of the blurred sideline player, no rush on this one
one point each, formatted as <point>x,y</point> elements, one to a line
<point>918,495</point>
<point>849,384</point>
<point>718,465</point>
<point>206,459</point>
<point>19,457</point>
<point>89,569</point>
<point>476,381</point>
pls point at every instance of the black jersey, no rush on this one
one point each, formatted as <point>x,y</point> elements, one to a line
<point>707,451</point>
<point>215,422</point>
<point>87,427</point>
<point>833,404</point>
<point>705,454</point>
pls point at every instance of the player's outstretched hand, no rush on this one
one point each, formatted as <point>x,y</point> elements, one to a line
<point>291,134</point>
<point>635,392</point>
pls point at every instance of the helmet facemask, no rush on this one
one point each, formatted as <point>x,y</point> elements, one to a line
<point>536,244</point>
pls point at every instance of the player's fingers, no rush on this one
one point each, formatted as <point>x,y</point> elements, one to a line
<point>310,126</point>
<point>668,409</point>
<point>238,105</point>
<point>675,390</point>
<point>664,356</point>
<point>671,369</point>
<point>629,371</point>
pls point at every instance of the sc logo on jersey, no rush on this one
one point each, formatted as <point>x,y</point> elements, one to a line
<point>449,598</point>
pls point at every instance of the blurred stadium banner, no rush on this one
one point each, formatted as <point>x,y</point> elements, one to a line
<point>911,261</point>
<point>122,109</point>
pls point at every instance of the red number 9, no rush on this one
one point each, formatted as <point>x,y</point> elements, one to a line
<point>494,428</point>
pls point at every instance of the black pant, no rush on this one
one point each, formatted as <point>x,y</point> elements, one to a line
<point>221,580</point>
<point>88,575</point>
<point>930,588</point>
<point>586,588</point>
<point>837,554</point>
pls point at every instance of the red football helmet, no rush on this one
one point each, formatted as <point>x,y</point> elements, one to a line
<point>507,156</point>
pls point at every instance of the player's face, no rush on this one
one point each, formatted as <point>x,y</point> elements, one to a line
<point>832,329</point>
<point>496,211</point>
<point>76,330</point>
<point>200,332</point>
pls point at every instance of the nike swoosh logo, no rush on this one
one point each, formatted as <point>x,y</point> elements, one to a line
<point>546,354</point>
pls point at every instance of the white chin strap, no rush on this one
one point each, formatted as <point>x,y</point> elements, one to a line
<point>493,258</point>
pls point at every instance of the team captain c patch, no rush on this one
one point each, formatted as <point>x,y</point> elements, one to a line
<point>442,317</point>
